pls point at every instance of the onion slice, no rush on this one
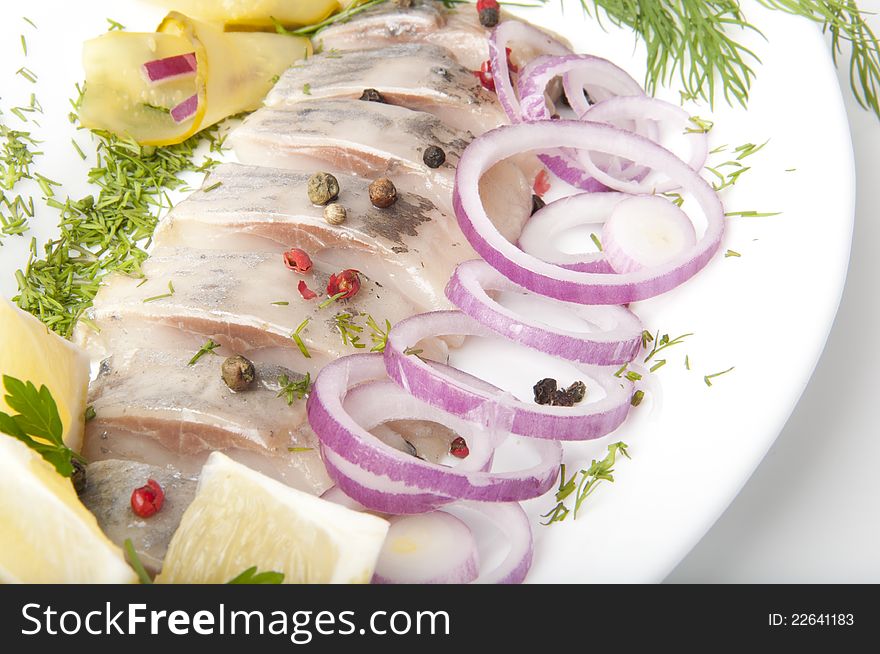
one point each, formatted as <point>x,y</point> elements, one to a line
<point>617,341</point>
<point>163,70</point>
<point>431,548</point>
<point>540,233</point>
<point>525,35</point>
<point>585,421</point>
<point>555,281</point>
<point>186,109</point>
<point>400,473</point>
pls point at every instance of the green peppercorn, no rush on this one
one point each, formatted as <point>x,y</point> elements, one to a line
<point>323,188</point>
<point>434,157</point>
<point>237,372</point>
<point>382,193</point>
<point>334,213</point>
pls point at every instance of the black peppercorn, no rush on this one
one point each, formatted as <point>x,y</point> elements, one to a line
<point>238,373</point>
<point>434,157</point>
<point>544,391</point>
<point>489,17</point>
<point>79,475</point>
<point>537,204</point>
<point>371,95</point>
<point>577,391</point>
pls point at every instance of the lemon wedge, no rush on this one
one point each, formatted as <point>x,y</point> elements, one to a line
<point>33,353</point>
<point>46,534</point>
<point>241,518</point>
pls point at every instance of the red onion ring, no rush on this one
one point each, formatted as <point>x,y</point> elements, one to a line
<point>341,434</point>
<point>554,281</point>
<point>618,343</point>
<point>499,39</point>
<point>585,421</point>
<point>559,216</point>
<point>186,109</point>
<point>615,110</point>
<point>162,70</point>
<point>513,522</point>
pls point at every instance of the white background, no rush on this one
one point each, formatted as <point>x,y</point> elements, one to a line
<point>811,511</point>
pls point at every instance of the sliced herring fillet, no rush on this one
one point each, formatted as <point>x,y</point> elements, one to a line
<point>412,75</point>
<point>411,246</point>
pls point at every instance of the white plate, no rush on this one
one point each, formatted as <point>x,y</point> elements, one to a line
<point>767,312</point>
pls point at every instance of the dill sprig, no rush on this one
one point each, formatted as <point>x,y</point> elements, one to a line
<point>340,17</point>
<point>348,330</point>
<point>689,38</point>
<point>106,232</point>
<point>16,158</point>
<point>845,22</point>
<point>582,488</point>
<point>294,390</point>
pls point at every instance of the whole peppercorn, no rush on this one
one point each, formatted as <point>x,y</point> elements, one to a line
<point>334,213</point>
<point>537,204</point>
<point>371,95</point>
<point>323,188</point>
<point>434,156</point>
<point>147,500</point>
<point>79,475</point>
<point>544,391</point>
<point>489,17</point>
<point>382,193</point>
<point>237,372</point>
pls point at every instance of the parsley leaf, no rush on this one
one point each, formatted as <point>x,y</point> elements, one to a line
<point>37,418</point>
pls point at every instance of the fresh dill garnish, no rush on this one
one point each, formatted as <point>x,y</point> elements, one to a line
<point>298,339</point>
<point>251,576</point>
<point>29,22</point>
<point>293,390</point>
<point>596,241</point>
<point>647,337</point>
<point>349,331</point>
<point>637,398</point>
<point>16,158</point>
<point>687,361</point>
<point>82,155</point>
<point>135,562</point>
<point>163,295</point>
<point>378,336</point>
<point>412,351</point>
<point>37,423</point>
<point>103,233</point>
<point>307,89</point>
<point>660,363</point>
<point>581,489</point>
<point>24,45</point>
<point>213,186</point>
<point>330,300</point>
<point>300,449</point>
<point>731,253</point>
<point>708,378</point>
<point>663,342</point>
<point>113,25</point>
<point>752,214</point>
<point>748,149</point>
<point>280,303</point>
<point>340,17</point>
<point>209,346</point>
<point>701,125</point>
<point>28,74</point>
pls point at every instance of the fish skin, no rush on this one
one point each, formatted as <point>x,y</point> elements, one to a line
<point>457,29</point>
<point>152,406</point>
<point>367,139</point>
<point>228,296</point>
<point>411,247</point>
<point>108,496</point>
<point>417,76</point>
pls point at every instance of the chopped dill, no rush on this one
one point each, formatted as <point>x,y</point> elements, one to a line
<point>663,342</point>
<point>708,378</point>
<point>113,25</point>
<point>164,295</point>
<point>294,390</point>
<point>378,335</point>
<point>731,253</point>
<point>637,398</point>
<point>752,214</point>
<point>298,339</point>
<point>213,186</point>
<point>349,331</point>
<point>208,347</point>
<point>596,241</point>
<point>701,125</point>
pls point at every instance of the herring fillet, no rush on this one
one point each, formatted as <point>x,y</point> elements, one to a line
<point>153,406</point>
<point>229,296</point>
<point>413,75</point>
<point>423,21</point>
<point>410,247</point>
<point>368,139</point>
